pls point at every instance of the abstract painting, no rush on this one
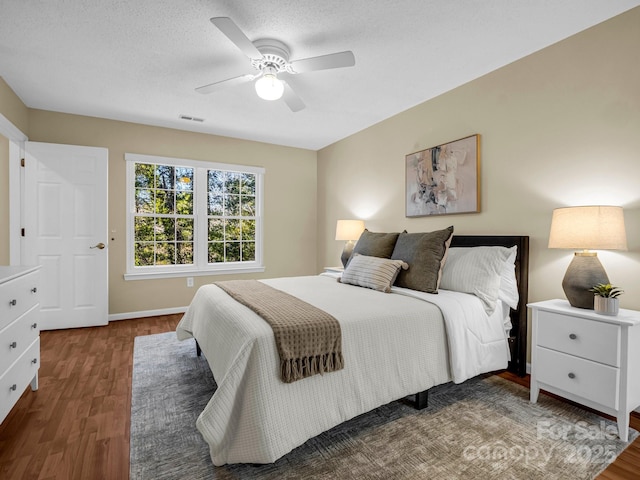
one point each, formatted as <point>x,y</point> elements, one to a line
<point>444,179</point>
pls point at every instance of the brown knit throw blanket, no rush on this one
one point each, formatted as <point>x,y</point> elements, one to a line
<point>309,340</point>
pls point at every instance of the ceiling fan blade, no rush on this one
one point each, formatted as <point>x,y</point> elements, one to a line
<point>292,99</point>
<point>233,33</point>
<point>223,84</point>
<point>324,62</point>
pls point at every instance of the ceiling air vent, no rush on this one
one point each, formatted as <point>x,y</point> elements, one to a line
<point>191,119</point>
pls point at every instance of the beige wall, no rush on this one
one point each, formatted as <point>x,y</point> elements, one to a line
<point>558,128</point>
<point>290,198</point>
<point>12,107</point>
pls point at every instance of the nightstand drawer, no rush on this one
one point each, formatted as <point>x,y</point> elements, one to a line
<point>584,378</point>
<point>584,338</point>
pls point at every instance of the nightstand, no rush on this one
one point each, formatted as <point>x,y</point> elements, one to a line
<point>588,358</point>
<point>334,269</point>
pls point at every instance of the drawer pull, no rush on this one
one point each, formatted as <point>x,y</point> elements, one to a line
<point>34,290</point>
<point>34,361</point>
<point>13,302</point>
<point>13,345</point>
<point>35,325</point>
<point>573,336</point>
<point>572,375</point>
<point>13,387</point>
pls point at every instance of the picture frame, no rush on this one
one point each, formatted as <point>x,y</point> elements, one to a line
<point>444,180</point>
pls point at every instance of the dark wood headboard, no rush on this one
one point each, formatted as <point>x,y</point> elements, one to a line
<point>518,335</point>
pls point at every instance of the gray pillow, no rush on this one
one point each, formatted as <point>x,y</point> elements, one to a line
<point>426,254</point>
<point>374,244</point>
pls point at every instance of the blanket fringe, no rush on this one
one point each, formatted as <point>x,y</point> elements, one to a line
<point>298,368</point>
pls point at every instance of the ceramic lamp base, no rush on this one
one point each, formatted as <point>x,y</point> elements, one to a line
<point>346,253</point>
<point>585,271</point>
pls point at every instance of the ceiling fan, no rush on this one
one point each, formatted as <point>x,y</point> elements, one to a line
<point>270,58</point>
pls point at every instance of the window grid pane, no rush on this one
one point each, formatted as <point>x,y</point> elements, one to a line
<point>164,223</point>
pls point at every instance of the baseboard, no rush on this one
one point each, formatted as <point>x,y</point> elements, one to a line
<point>146,313</point>
<point>528,368</point>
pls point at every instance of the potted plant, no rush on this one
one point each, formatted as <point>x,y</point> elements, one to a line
<point>605,300</point>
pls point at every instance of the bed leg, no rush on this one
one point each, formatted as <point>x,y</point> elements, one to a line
<point>198,349</point>
<point>422,400</point>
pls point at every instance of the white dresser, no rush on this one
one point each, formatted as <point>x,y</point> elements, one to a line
<point>19,334</point>
<point>586,357</point>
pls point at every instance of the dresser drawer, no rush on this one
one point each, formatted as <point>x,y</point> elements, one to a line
<point>17,337</point>
<point>16,379</point>
<point>578,376</point>
<point>17,296</point>
<point>584,338</point>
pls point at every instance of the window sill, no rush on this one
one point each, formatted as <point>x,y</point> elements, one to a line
<point>191,273</point>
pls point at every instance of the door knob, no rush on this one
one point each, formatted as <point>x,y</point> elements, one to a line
<point>99,246</point>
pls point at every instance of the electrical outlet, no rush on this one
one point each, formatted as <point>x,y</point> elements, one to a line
<point>189,281</point>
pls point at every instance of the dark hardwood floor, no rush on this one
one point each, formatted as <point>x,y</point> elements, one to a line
<point>77,425</point>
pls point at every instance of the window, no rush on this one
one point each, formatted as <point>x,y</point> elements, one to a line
<point>186,217</point>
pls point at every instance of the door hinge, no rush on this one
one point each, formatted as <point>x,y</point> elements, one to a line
<point>22,232</point>
<point>22,162</point>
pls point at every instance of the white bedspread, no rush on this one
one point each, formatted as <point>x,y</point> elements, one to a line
<point>477,343</point>
<point>393,344</point>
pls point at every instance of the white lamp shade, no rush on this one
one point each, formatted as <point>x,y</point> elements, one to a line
<point>349,229</point>
<point>589,228</point>
<point>269,87</point>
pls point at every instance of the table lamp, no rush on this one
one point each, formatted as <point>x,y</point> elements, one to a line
<point>586,228</point>
<point>349,231</point>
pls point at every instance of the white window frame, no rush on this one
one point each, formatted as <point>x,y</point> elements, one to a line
<point>200,265</point>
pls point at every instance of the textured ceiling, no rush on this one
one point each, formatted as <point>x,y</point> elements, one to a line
<point>140,60</point>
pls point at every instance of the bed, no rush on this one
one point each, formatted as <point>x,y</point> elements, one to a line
<point>394,344</point>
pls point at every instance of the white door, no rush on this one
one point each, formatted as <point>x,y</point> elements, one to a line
<point>65,222</point>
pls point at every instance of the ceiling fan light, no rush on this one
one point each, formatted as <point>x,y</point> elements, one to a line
<point>269,87</point>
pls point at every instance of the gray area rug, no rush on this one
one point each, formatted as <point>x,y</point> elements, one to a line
<point>484,428</point>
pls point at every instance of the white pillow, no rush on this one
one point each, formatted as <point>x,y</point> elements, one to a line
<point>372,272</point>
<point>508,292</point>
<point>476,270</point>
